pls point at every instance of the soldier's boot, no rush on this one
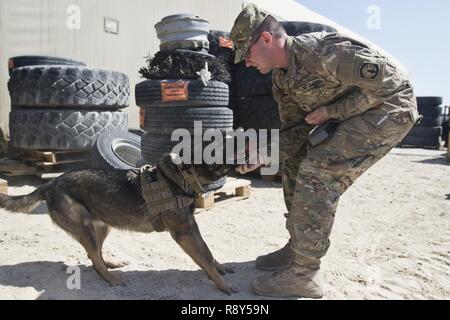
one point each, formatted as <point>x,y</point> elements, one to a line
<point>296,281</point>
<point>277,260</point>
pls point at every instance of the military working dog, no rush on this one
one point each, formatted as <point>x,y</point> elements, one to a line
<point>88,203</point>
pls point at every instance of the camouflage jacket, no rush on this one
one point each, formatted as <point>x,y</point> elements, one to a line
<point>345,75</point>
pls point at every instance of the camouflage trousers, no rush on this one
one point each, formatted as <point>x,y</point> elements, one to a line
<point>315,178</point>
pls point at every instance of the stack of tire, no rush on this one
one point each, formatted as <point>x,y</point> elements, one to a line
<point>199,101</point>
<point>429,132</point>
<point>221,47</point>
<point>207,104</point>
<point>60,104</point>
<point>251,92</point>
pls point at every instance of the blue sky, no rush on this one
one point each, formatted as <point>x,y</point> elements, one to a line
<point>416,32</point>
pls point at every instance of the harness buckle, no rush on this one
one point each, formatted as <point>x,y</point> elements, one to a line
<point>146,167</point>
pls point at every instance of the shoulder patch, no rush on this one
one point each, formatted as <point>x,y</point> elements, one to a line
<point>369,71</point>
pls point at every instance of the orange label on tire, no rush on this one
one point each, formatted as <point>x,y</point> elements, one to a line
<point>174,91</point>
<point>225,43</point>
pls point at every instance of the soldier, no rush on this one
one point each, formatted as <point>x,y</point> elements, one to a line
<point>317,77</point>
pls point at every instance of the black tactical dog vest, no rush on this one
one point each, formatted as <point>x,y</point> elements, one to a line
<point>168,186</point>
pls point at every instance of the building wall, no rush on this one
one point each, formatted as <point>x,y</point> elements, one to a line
<point>40,27</point>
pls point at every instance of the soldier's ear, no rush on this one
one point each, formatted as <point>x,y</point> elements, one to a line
<point>267,37</point>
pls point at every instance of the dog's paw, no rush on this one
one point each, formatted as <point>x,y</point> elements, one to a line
<point>223,270</point>
<point>229,290</point>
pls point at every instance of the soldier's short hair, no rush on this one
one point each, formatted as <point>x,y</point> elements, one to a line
<point>271,25</point>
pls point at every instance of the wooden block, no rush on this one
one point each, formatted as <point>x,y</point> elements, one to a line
<point>239,188</point>
<point>205,201</point>
<point>243,191</point>
<point>3,186</point>
<point>233,183</point>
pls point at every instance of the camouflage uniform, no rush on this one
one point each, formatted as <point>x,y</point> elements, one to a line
<point>377,107</point>
<point>358,86</point>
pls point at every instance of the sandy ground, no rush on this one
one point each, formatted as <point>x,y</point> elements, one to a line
<point>391,240</point>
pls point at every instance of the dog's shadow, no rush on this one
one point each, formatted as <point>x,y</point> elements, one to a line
<point>55,280</point>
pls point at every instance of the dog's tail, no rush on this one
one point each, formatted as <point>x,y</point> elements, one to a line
<point>24,203</point>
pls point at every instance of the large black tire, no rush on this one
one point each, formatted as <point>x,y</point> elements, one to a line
<point>65,86</point>
<point>165,120</point>
<point>431,121</point>
<point>429,101</point>
<point>431,141</point>
<point>431,111</point>
<point>53,129</point>
<point>23,61</point>
<point>116,150</point>
<point>248,81</point>
<point>296,28</point>
<point>153,146</point>
<point>215,93</point>
<point>257,112</point>
<point>426,131</point>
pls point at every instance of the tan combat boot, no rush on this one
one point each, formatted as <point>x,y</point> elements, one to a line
<point>302,279</point>
<point>276,261</point>
<point>290,283</point>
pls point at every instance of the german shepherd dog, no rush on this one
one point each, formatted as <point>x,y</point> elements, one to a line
<point>88,203</point>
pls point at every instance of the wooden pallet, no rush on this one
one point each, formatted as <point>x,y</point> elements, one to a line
<point>44,164</point>
<point>239,188</point>
<point>56,157</point>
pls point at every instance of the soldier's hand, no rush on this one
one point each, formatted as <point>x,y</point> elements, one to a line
<point>318,116</point>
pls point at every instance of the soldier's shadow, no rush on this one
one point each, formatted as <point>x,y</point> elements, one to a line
<point>54,281</point>
<point>442,160</point>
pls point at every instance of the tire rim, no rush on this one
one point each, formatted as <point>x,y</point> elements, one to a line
<point>126,152</point>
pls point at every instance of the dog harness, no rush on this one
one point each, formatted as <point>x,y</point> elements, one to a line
<point>168,186</point>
